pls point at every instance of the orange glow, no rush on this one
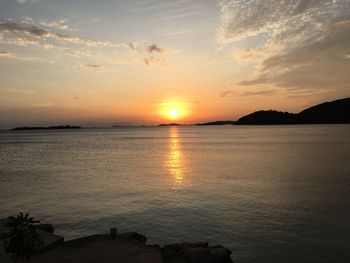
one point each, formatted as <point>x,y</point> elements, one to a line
<point>173,110</point>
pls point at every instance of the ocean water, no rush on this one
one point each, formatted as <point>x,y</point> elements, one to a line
<point>268,193</point>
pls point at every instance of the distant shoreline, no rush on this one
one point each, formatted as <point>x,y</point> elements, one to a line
<point>60,127</point>
<point>334,112</point>
<point>161,126</point>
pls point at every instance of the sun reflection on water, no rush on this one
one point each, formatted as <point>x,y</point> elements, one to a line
<point>175,160</point>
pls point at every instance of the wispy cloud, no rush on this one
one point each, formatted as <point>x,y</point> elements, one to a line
<point>155,48</point>
<point>6,54</point>
<point>132,46</point>
<point>15,91</point>
<point>238,93</point>
<point>249,54</point>
<point>61,24</point>
<point>93,67</point>
<point>27,1</point>
<point>302,44</point>
<point>26,33</point>
<point>154,61</point>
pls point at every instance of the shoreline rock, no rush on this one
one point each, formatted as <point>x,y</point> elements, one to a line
<point>117,247</point>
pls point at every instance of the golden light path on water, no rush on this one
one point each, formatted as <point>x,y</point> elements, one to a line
<point>174,162</point>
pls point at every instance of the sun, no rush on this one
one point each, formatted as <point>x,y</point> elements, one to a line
<point>173,113</point>
<point>173,110</point>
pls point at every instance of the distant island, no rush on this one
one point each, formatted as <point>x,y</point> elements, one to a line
<point>170,124</point>
<point>60,127</point>
<point>217,123</point>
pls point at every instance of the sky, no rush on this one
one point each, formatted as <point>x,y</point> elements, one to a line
<point>109,62</point>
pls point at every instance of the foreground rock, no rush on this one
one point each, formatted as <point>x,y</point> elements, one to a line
<point>195,253</point>
<point>101,248</point>
<point>127,247</point>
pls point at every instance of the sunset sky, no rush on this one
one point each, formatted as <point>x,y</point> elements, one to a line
<point>108,62</point>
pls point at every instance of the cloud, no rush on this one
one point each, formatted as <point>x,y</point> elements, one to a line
<point>132,46</point>
<point>6,54</point>
<point>25,33</point>
<point>234,93</point>
<point>248,54</point>
<point>226,93</point>
<point>27,1</point>
<point>242,19</point>
<point>304,44</point>
<point>93,67</point>
<point>155,48</point>
<point>44,105</point>
<point>15,91</point>
<point>23,29</point>
<point>61,24</point>
<point>153,61</point>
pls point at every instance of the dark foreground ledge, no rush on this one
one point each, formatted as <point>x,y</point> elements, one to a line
<point>128,247</point>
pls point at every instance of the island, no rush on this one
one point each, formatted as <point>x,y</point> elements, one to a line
<point>170,124</point>
<point>60,127</point>
<point>217,123</point>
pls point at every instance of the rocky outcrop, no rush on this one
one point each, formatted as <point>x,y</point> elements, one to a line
<point>134,236</point>
<point>195,253</point>
<point>117,247</point>
<point>46,227</point>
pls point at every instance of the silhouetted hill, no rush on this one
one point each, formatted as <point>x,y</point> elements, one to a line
<point>46,128</point>
<point>268,117</point>
<point>169,124</point>
<point>217,123</point>
<point>337,111</point>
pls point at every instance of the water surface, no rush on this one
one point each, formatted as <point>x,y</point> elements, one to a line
<point>269,193</point>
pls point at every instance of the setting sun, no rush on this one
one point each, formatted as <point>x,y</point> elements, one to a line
<point>173,110</point>
<point>173,113</point>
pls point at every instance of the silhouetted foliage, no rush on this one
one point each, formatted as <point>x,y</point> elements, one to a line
<point>22,240</point>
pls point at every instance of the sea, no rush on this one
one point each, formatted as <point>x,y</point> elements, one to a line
<point>268,193</point>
